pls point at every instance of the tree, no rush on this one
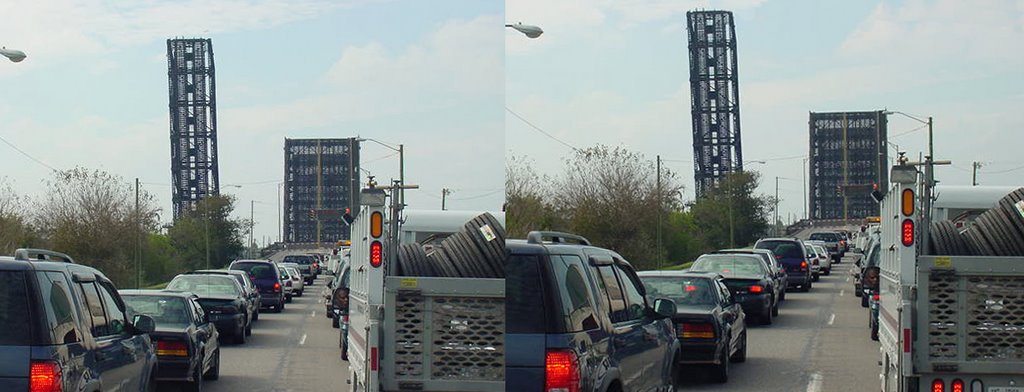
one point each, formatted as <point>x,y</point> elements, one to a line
<point>730,214</point>
<point>526,200</point>
<point>15,230</point>
<point>91,215</point>
<point>207,237</point>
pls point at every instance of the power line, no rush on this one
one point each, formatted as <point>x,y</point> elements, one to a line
<point>540,130</point>
<point>26,154</point>
<point>1002,171</point>
<point>480,196</point>
<point>909,132</point>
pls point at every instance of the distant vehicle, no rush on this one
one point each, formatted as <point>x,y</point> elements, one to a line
<point>186,341</point>
<point>305,263</point>
<point>749,281</point>
<point>64,328</point>
<point>266,276</point>
<point>338,304</point>
<point>778,272</point>
<point>298,286</point>
<point>710,324</point>
<point>794,256</point>
<point>251,291</point>
<point>289,283</point>
<point>223,300</point>
<point>834,243</point>
<point>824,258</point>
<point>578,320</point>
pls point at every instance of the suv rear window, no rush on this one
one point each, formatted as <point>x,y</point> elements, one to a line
<point>14,302</point>
<point>524,297</point>
<point>827,237</point>
<point>784,249</point>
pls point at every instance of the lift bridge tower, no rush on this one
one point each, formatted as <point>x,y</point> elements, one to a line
<point>715,97</point>
<point>193,106</point>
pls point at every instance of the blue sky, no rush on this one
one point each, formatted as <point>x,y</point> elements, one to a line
<point>616,73</point>
<point>93,91</point>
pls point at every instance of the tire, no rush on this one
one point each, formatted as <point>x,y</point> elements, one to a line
<point>766,316</point>
<point>874,333</point>
<point>815,277</point>
<point>256,314</point>
<point>775,309</point>
<point>288,299</point>
<point>828,272</point>
<point>741,355</point>
<point>248,329</point>
<point>493,250</point>
<point>856,292</point>
<point>300,293</point>
<point>214,372</point>
<point>720,373</point>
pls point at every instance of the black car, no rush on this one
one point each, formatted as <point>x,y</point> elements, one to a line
<point>777,271</point>
<point>792,254</point>
<point>252,293</point>
<point>747,279</point>
<point>63,327</point>
<point>267,278</point>
<point>222,299</point>
<point>711,326</point>
<point>577,319</point>
<point>186,342</point>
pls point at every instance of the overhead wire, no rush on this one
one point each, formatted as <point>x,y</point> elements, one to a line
<point>27,154</point>
<point>540,130</point>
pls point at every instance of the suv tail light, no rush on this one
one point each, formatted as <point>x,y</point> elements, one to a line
<point>696,331</point>
<point>44,376</point>
<point>876,297</point>
<point>561,372</point>
<point>277,287</point>
<point>803,265</point>
<point>756,289</point>
<point>171,348</point>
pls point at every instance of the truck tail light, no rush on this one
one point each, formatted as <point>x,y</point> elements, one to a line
<point>907,202</point>
<point>696,331</point>
<point>876,297</point>
<point>908,232</point>
<point>44,376</point>
<point>977,386</point>
<point>957,386</point>
<point>561,373</point>
<point>376,224</point>
<point>376,254</point>
<point>938,385</point>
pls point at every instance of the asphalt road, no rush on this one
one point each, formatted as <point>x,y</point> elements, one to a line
<point>296,350</point>
<point>819,343</point>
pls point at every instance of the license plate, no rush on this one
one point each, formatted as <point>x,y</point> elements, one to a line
<point>1005,389</point>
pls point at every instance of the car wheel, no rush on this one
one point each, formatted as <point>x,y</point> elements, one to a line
<point>741,354</point>
<point>856,292</point>
<point>874,332</point>
<point>815,277</point>
<point>335,323</point>
<point>828,271</point>
<point>197,380</point>
<point>214,372</point>
<point>766,316</point>
<point>721,371</point>
<point>775,309</point>
<point>298,293</point>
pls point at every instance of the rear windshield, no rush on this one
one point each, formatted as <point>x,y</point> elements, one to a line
<point>784,249</point>
<point>825,237</point>
<point>524,299</point>
<point>256,270</point>
<point>682,291</point>
<point>204,284</point>
<point>166,311</point>
<point>729,265</point>
<point>14,309</point>
<point>305,260</point>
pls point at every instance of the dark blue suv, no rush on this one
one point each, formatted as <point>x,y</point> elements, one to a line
<point>64,328</point>
<point>577,319</point>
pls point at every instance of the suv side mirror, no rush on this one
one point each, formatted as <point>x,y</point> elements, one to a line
<point>664,307</point>
<point>144,324</point>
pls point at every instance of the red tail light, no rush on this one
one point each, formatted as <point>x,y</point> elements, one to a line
<point>171,348</point>
<point>690,288</point>
<point>957,386</point>
<point>803,265</point>
<point>376,254</point>
<point>938,385</point>
<point>876,297</point>
<point>44,376</point>
<point>696,331</point>
<point>908,232</point>
<point>756,289</point>
<point>277,287</point>
<point>561,373</point>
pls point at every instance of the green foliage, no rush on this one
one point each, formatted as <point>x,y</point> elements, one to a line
<point>733,200</point>
<point>207,232</point>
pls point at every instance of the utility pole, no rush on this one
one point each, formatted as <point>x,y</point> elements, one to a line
<point>252,209</point>
<point>732,226</point>
<point>775,213</point>
<point>280,229</point>
<point>319,190</point>
<point>805,189</point>
<point>444,195</point>
<point>658,189</point>
<point>401,172</point>
<point>974,173</point>
<point>138,239</point>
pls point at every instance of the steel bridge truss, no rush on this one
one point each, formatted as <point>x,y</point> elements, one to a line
<point>848,159</point>
<point>715,97</point>
<point>321,180</point>
<point>193,107</point>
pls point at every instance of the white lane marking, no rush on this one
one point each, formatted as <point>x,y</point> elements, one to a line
<point>313,314</point>
<point>302,341</point>
<point>831,319</point>
<point>815,384</point>
<point>841,292</point>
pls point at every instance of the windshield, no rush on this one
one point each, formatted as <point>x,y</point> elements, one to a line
<point>293,273</point>
<point>682,291</point>
<point>166,311</point>
<point>729,265</point>
<point>299,259</point>
<point>205,284</point>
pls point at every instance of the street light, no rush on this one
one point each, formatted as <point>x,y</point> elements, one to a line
<point>530,30</point>
<point>12,54</point>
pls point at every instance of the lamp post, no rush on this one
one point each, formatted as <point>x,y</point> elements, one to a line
<point>12,54</point>
<point>530,31</point>
<point>401,163</point>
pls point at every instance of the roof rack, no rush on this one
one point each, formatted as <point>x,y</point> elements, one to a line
<point>538,237</point>
<point>29,254</point>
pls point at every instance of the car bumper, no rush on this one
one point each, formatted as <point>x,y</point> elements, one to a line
<point>271,300</point>
<point>698,352</point>
<point>228,324</point>
<point>755,304</point>
<point>799,280</point>
<point>173,369</point>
